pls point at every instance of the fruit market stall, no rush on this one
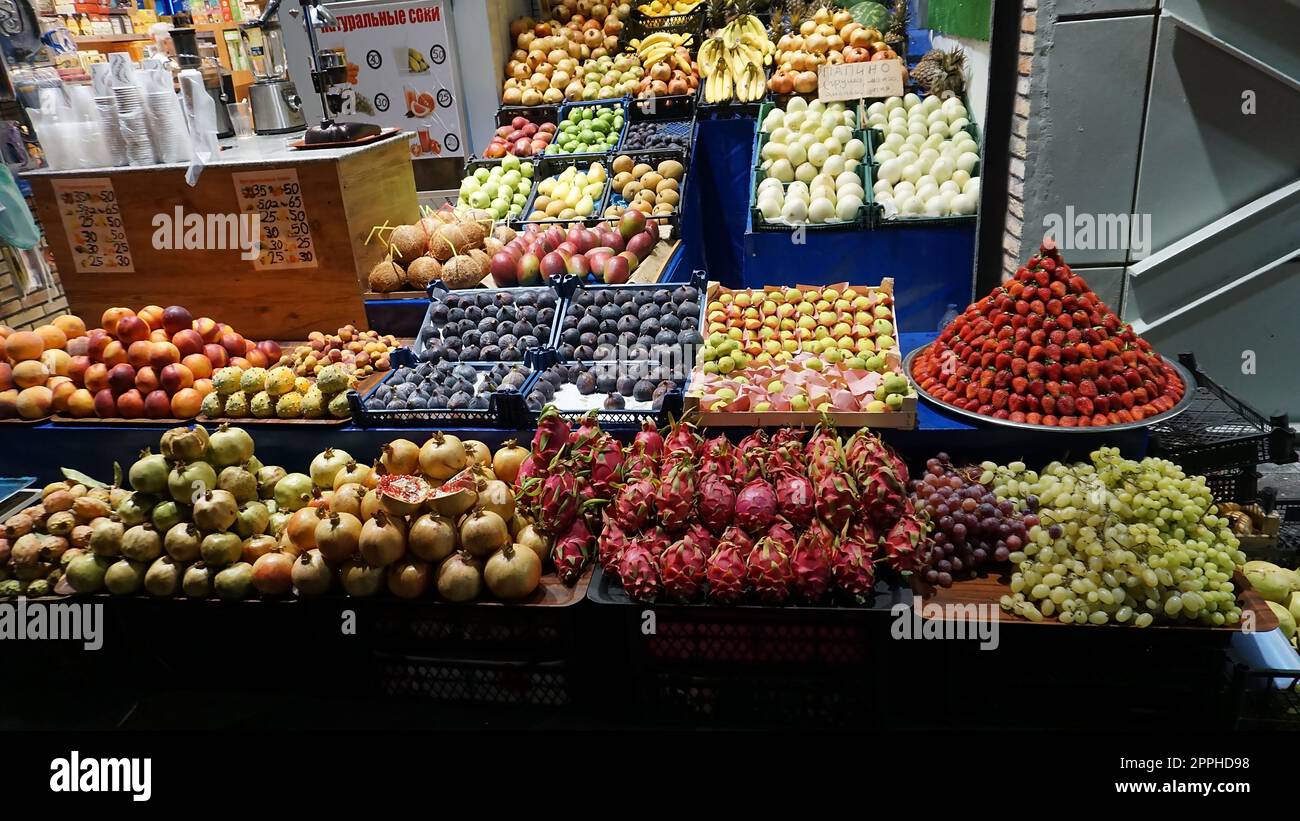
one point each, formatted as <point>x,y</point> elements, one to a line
<point>135,235</point>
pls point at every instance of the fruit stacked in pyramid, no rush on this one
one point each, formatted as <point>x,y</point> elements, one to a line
<point>1043,349</point>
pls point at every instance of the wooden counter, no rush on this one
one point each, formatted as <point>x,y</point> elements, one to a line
<point>342,193</point>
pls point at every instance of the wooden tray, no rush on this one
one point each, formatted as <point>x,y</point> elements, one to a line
<point>25,422</point>
<point>989,588</point>
<point>301,145</point>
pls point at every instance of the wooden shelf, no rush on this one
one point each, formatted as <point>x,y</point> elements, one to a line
<point>92,39</point>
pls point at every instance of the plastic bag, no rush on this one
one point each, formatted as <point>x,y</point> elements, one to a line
<point>201,118</point>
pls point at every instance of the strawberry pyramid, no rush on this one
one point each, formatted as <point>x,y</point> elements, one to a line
<point>1043,349</point>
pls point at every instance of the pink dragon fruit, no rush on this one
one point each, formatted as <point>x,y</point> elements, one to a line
<point>716,458</point>
<point>822,453</point>
<point>727,575</point>
<point>698,534</point>
<point>739,538</point>
<point>904,547</point>
<point>683,440</point>
<point>552,435</point>
<point>634,505</point>
<point>852,570</point>
<point>639,573</point>
<point>609,548</point>
<point>755,506</point>
<point>810,563</point>
<point>675,497</point>
<point>557,502</point>
<point>639,463</point>
<point>649,441</point>
<point>881,477</point>
<point>572,551</point>
<point>789,438</point>
<point>656,540</point>
<point>796,498</point>
<point>836,498</point>
<point>584,436</point>
<point>606,465</point>
<point>784,537</point>
<point>717,503</point>
<point>768,569</point>
<point>756,441</point>
<point>530,469</point>
<point>783,459</point>
<point>682,569</point>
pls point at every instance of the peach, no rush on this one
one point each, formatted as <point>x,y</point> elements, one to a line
<point>81,404</point>
<point>130,405</point>
<point>199,364</point>
<point>113,316</point>
<point>77,369</point>
<point>77,346</point>
<point>240,362</point>
<point>114,354</point>
<point>203,386</point>
<point>248,346</point>
<point>29,373</point>
<point>146,380</point>
<point>257,359</point>
<point>61,394</point>
<point>177,318</point>
<point>71,325</point>
<point>233,343</point>
<point>271,349</point>
<point>158,405</point>
<point>162,354</point>
<point>121,378</point>
<point>57,361</point>
<point>131,329</point>
<point>175,378</point>
<point>6,376</point>
<point>207,328</point>
<point>105,404</point>
<point>8,404</point>
<point>53,337</point>
<point>217,355</point>
<point>96,341</point>
<point>23,345</point>
<point>35,402</point>
<point>138,353</point>
<point>188,342</point>
<point>96,378</point>
<point>159,335</point>
<point>186,403</point>
<point>152,316</point>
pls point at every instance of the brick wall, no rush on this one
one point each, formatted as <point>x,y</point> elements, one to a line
<point>1011,257</point>
<point>26,312</point>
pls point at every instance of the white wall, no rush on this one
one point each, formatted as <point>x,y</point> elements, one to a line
<point>977,71</point>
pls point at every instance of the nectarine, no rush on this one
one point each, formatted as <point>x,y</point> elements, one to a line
<point>113,316</point>
<point>105,404</point>
<point>177,318</point>
<point>96,378</point>
<point>8,403</point>
<point>52,337</point>
<point>146,380</point>
<point>56,361</point>
<point>81,404</point>
<point>158,405</point>
<point>186,403</point>
<point>152,316</point>
<point>138,353</point>
<point>187,342</point>
<point>217,355</point>
<point>175,378</point>
<point>130,405</point>
<point>199,364</point>
<point>131,329</point>
<point>162,354</point>
<point>207,328</point>
<point>35,402</point>
<point>22,345</point>
<point>121,378</point>
<point>71,325</point>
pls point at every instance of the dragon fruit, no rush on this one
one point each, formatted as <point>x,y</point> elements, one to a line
<point>531,471</point>
<point>853,571</point>
<point>755,506</point>
<point>717,502</point>
<point>606,465</point>
<point>557,502</point>
<point>610,547</point>
<point>552,435</point>
<point>639,463</point>
<point>649,441</point>
<point>639,572</point>
<point>769,572</point>
<point>795,497</point>
<point>756,441</point>
<point>810,563</point>
<point>789,438</point>
<point>682,569</point>
<point>583,437</point>
<point>572,551</point>
<point>675,497</point>
<point>656,540</point>
<point>716,458</point>
<point>904,546</point>
<point>749,457</point>
<point>783,459</point>
<point>784,537</point>
<point>634,505</point>
<point>836,498</point>
<point>881,477</point>
<point>682,441</point>
<point>727,574</point>
<point>698,534</point>
<point>822,453</point>
<point>739,538</point>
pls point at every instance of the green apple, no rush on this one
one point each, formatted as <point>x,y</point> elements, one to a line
<point>481,174</point>
<point>519,199</point>
<point>492,188</point>
<point>479,199</point>
<point>468,186</point>
<point>799,403</point>
<point>510,162</point>
<point>527,171</point>
<point>894,401</point>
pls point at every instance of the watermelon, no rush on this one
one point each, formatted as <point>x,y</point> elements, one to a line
<point>870,14</point>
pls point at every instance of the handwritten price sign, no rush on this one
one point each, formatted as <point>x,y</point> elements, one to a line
<point>859,81</point>
<point>92,221</point>
<point>276,198</point>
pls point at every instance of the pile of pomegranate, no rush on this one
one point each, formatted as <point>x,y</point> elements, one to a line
<point>771,519</point>
<point>1043,349</point>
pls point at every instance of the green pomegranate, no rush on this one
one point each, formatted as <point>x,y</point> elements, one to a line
<point>86,572</point>
<point>197,581</point>
<point>293,492</point>
<point>311,575</point>
<point>184,444</point>
<point>234,582</point>
<point>220,549</point>
<point>360,579</point>
<point>37,588</point>
<point>106,537</point>
<point>189,480</point>
<point>167,515</point>
<point>326,466</point>
<point>10,588</point>
<point>182,542</point>
<point>253,465</point>
<point>135,509</point>
<point>149,473</point>
<point>215,510</point>
<point>276,523</point>
<point>239,481</point>
<point>229,446</point>
<point>124,577</point>
<point>142,543</point>
<point>266,479</point>
<point>163,578</point>
<point>253,519</point>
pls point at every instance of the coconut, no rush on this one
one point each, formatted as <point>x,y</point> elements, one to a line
<point>484,261</point>
<point>423,271</point>
<point>462,272</point>
<point>447,242</point>
<point>503,233</point>
<point>409,240</point>
<point>386,276</point>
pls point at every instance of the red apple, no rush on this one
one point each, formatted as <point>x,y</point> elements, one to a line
<point>157,405</point>
<point>177,318</point>
<point>187,342</point>
<point>494,152</point>
<point>105,404</point>
<point>121,379</point>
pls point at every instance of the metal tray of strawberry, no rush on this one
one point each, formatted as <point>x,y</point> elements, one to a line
<point>486,324</point>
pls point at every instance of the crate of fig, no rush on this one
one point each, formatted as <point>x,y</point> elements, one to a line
<point>789,356</point>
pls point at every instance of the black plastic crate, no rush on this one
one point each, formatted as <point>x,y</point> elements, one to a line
<point>505,407</point>
<point>475,164</point>
<point>438,294</point>
<point>1287,551</point>
<point>552,165</point>
<point>1266,699</point>
<point>624,418</point>
<point>620,103</point>
<point>861,222</point>
<point>641,25</point>
<point>1222,438</point>
<point>520,684</point>
<point>671,122</point>
<point>533,113</point>
<point>674,106</point>
<point>652,158</point>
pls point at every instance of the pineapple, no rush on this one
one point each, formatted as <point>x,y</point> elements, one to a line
<point>942,72</point>
<point>896,34</point>
<point>715,14</point>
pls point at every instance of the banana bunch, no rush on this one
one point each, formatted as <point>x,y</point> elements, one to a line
<point>660,46</point>
<point>731,61</point>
